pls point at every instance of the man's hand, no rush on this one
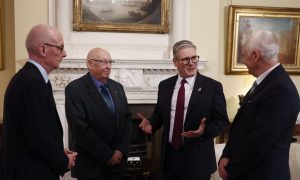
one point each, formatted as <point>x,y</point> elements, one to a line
<point>116,158</point>
<point>222,171</point>
<point>72,157</point>
<point>145,124</point>
<point>196,133</point>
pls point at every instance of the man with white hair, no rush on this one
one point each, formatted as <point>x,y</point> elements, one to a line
<point>261,132</point>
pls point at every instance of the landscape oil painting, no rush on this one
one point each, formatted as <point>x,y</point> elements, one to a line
<point>121,15</point>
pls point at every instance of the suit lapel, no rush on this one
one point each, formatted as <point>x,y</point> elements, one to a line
<point>264,83</point>
<point>96,96</point>
<point>167,98</point>
<point>197,90</point>
<point>275,72</point>
<point>261,86</point>
<point>49,91</point>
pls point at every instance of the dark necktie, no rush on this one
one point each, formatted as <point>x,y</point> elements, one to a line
<point>251,90</point>
<point>178,120</point>
<point>253,87</point>
<point>106,96</point>
<point>49,86</point>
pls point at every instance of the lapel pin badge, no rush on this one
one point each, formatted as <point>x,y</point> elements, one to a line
<point>199,89</point>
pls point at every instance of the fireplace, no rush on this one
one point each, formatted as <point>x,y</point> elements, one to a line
<point>140,79</point>
<point>143,145</point>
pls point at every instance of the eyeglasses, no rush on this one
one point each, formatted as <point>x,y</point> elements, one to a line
<point>60,48</point>
<point>187,60</point>
<point>103,62</point>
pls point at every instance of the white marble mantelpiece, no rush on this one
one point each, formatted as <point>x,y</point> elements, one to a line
<point>142,60</point>
<point>139,78</point>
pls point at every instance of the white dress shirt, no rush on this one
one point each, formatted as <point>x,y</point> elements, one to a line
<point>188,86</point>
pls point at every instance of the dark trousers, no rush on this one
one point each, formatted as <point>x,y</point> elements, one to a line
<point>174,166</point>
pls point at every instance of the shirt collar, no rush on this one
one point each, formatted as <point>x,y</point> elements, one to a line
<point>41,69</point>
<point>96,82</point>
<point>261,77</point>
<point>189,80</point>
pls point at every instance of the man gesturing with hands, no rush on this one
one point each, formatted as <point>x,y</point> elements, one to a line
<point>192,110</point>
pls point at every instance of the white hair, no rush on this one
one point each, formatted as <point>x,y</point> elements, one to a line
<point>266,42</point>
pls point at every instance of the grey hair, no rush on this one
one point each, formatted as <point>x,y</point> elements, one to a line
<point>182,44</point>
<point>266,42</point>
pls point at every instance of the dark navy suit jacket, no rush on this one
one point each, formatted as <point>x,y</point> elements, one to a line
<point>33,136</point>
<point>207,100</point>
<point>94,131</point>
<point>261,133</point>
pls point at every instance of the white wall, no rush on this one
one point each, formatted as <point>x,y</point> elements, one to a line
<point>27,14</point>
<point>209,32</point>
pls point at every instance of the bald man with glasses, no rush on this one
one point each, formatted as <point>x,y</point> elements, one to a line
<point>99,121</point>
<point>33,136</point>
<point>191,108</point>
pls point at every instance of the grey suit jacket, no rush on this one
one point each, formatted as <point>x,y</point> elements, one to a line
<point>95,132</point>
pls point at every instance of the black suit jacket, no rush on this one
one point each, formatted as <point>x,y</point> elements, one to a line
<point>95,132</point>
<point>33,136</point>
<point>207,100</point>
<point>261,133</point>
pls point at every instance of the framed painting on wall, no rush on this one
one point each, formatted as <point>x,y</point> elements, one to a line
<point>148,16</point>
<point>283,22</point>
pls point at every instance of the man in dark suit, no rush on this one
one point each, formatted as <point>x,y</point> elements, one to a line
<point>198,104</point>
<point>33,136</point>
<point>99,121</point>
<point>261,133</point>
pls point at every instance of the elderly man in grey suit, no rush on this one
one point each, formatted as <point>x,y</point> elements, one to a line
<point>99,121</point>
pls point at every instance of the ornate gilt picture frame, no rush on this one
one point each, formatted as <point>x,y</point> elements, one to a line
<point>244,20</point>
<point>148,16</point>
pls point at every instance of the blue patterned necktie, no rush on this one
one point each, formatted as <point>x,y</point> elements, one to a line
<point>107,98</point>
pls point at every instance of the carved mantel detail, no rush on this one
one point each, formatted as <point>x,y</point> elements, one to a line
<point>140,79</point>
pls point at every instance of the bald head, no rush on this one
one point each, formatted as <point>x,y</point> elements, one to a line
<point>40,34</point>
<point>97,53</point>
